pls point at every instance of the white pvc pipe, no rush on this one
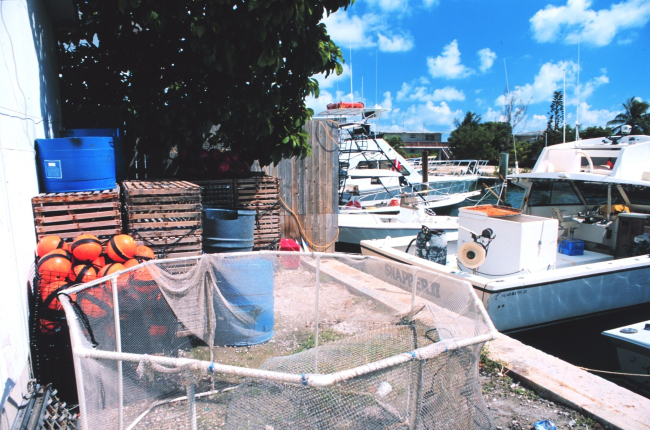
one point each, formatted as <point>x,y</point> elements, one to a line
<point>118,348</point>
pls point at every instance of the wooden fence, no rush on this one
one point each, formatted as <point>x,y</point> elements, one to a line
<point>309,187</point>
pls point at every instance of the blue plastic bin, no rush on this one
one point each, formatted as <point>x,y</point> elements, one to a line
<point>72,164</point>
<point>118,148</point>
<point>571,247</point>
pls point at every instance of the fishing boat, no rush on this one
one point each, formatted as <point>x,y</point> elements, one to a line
<point>633,349</point>
<point>412,214</point>
<point>373,171</point>
<point>578,246</point>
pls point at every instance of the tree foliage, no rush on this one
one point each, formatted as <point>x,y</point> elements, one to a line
<point>635,114</point>
<point>397,144</point>
<point>178,73</point>
<point>475,140</point>
<point>554,126</point>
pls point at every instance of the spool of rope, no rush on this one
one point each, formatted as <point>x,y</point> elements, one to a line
<point>471,255</point>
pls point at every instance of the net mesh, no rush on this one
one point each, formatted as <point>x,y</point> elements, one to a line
<point>275,340</point>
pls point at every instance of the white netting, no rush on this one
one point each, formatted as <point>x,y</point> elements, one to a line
<point>275,340</point>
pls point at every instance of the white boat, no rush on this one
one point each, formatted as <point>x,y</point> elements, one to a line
<point>633,349</point>
<point>511,256</point>
<point>355,227</point>
<point>372,170</point>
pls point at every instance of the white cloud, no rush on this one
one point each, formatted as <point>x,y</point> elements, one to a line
<point>431,3</point>
<point>587,89</point>
<point>576,22</point>
<point>429,114</point>
<point>387,103</point>
<point>422,94</point>
<point>595,117</point>
<point>487,58</point>
<point>492,115</point>
<point>351,30</point>
<point>448,64</point>
<point>537,122</point>
<point>548,80</point>
<point>401,6</point>
<point>398,43</point>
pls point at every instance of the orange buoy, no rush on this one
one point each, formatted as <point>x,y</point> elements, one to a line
<point>96,302</point>
<point>122,281</point>
<point>144,253</point>
<point>101,261</point>
<point>86,247</point>
<point>49,243</point>
<point>142,280</point>
<point>48,294</point>
<point>81,273</point>
<point>131,263</point>
<point>54,266</point>
<point>121,248</point>
<point>50,327</point>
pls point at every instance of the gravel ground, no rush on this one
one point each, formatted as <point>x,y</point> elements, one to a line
<point>514,406</point>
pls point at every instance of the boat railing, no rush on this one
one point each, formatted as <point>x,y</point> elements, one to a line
<point>450,167</point>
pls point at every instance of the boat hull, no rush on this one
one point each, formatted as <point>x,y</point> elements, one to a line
<point>545,298</point>
<point>545,303</point>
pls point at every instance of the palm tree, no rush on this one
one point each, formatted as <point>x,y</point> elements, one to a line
<point>398,145</point>
<point>470,119</point>
<point>636,115</point>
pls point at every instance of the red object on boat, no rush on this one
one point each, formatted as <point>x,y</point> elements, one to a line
<point>288,262</point>
<point>346,105</point>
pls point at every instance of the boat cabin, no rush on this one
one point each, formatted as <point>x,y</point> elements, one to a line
<point>598,190</point>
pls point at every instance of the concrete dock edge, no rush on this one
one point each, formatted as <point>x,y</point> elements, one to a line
<point>564,383</point>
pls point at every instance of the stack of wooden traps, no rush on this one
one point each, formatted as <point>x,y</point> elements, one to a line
<point>164,215</point>
<point>260,194</point>
<point>70,214</point>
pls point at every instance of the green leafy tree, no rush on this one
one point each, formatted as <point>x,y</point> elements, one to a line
<point>175,74</point>
<point>397,144</point>
<point>471,139</point>
<point>591,132</point>
<point>635,114</point>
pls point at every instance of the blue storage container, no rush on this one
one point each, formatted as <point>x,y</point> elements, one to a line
<point>73,164</point>
<point>247,287</point>
<point>120,167</point>
<point>571,247</point>
<point>228,230</point>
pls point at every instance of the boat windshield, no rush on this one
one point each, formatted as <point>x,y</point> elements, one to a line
<point>638,195</point>
<point>546,193</point>
<point>595,193</point>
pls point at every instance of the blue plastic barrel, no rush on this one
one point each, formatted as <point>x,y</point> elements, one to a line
<point>246,317</point>
<point>228,230</point>
<point>72,164</point>
<point>120,167</point>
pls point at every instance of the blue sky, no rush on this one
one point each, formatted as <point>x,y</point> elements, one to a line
<point>430,61</point>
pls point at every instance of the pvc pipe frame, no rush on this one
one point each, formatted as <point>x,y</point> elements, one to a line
<point>311,380</point>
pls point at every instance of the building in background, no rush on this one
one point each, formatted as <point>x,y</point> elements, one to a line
<point>417,141</point>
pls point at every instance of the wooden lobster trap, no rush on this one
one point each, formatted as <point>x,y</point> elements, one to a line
<point>69,214</point>
<point>164,215</point>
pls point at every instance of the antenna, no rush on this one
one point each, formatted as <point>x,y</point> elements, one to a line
<point>376,75</point>
<point>578,106</point>
<point>351,81</point>
<point>362,88</point>
<point>509,100</point>
<point>506,69</point>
